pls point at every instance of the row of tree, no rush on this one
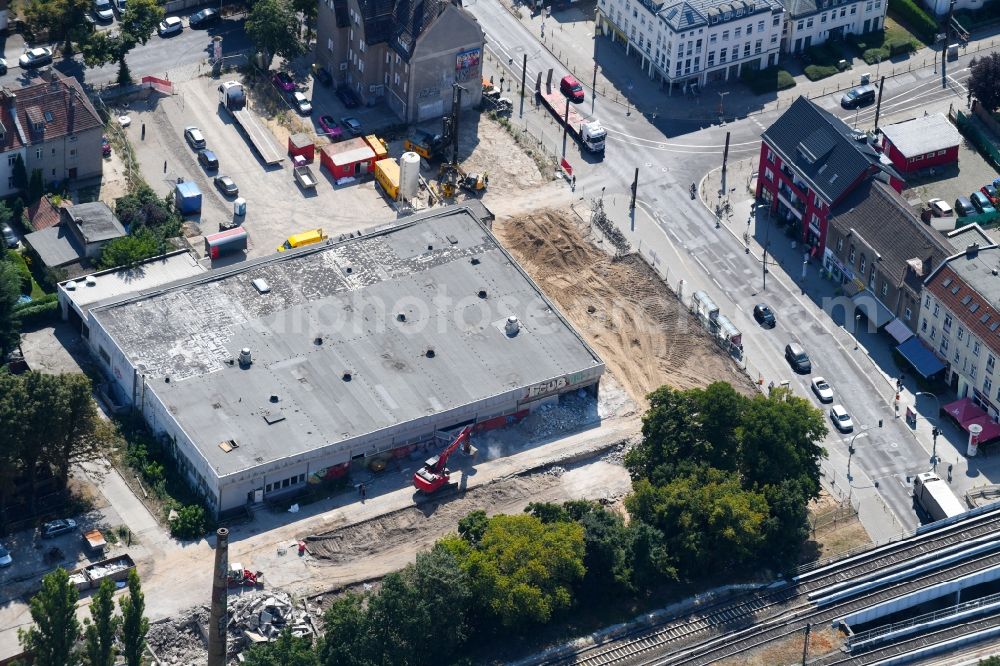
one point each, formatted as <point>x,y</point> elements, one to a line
<point>54,638</point>
<point>47,422</point>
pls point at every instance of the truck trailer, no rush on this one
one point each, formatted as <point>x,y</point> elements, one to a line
<point>589,133</point>
<point>935,497</point>
<point>232,97</point>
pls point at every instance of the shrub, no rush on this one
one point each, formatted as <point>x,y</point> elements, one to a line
<point>22,270</point>
<point>190,522</point>
<point>817,72</point>
<point>43,312</point>
<point>875,56</point>
<point>915,18</point>
<point>898,46</point>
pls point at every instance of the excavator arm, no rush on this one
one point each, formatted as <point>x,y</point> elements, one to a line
<point>434,473</point>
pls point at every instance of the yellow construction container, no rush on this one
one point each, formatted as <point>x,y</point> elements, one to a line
<point>377,145</point>
<point>387,175</point>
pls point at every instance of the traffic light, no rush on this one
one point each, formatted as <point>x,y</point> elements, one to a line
<point>935,432</point>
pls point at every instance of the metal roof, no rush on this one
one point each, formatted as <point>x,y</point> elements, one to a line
<point>335,309</point>
<point>922,135</point>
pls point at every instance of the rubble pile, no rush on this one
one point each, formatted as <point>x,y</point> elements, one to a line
<point>259,617</point>
<point>181,641</point>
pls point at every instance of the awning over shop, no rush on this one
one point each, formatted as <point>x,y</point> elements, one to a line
<point>966,412</point>
<point>920,357</point>
<point>898,330</point>
<point>872,308</point>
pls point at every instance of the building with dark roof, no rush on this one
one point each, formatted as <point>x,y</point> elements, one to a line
<point>960,321</point>
<point>812,22</point>
<point>881,251</point>
<point>53,127</point>
<point>688,43</point>
<point>810,160</point>
<point>407,53</point>
<point>76,242</point>
<point>921,143</point>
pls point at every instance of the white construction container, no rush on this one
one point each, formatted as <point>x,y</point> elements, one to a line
<point>409,176</point>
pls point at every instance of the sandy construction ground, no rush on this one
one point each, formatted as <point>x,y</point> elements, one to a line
<point>645,335</point>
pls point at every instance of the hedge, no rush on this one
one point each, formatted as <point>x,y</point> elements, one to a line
<point>22,269</point>
<point>916,19</point>
<point>43,312</point>
<point>817,72</point>
<point>768,80</point>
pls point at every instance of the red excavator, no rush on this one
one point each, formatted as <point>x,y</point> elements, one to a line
<point>435,474</point>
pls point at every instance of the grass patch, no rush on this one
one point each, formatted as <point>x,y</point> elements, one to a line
<point>768,80</point>
<point>824,60</point>
<point>988,14</point>
<point>881,45</point>
<point>919,22</point>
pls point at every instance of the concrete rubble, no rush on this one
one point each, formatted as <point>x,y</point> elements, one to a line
<point>261,616</point>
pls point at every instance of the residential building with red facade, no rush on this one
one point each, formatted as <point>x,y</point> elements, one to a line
<point>810,160</point>
<point>921,143</point>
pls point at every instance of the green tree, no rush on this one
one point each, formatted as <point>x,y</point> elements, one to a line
<point>309,11</point>
<point>522,571</point>
<point>984,81</point>
<point>990,661</point>
<point>10,292</point>
<point>287,650</point>
<point>100,630</point>
<point>64,19</point>
<point>345,628</point>
<point>134,624</point>
<point>143,207</point>
<point>72,428</point>
<point>190,523</point>
<point>649,562</point>
<point>273,28</point>
<point>52,638</point>
<point>709,522</point>
<point>129,250</point>
<point>36,186</point>
<point>20,174</point>
<point>137,24</point>
<point>473,526</point>
<point>671,434</point>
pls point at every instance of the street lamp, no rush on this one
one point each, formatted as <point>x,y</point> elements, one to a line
<point>850,453</point>
<point>935,430</point>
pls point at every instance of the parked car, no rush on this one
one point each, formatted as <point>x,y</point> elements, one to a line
<point>940,208</point>
<point>194,137</point>
<point>302,103</point>
<point>226,185</point>
<point>35,58</point>
<point>860,96</point>
<point>103,10</point>
<point>841,419</point>
<point>330,127</point>
<point>56,527</point>
<point>5,558</point>
<point>992,193</point>
<point>208,159</point>
<point>9,237</point>
<point>170,26</point>
<point>964,207</point>
<point>572,88</point>
<point>353,125</point>
<point>3,65</point>
<point>348,98</point>
<point>798,358</point>
<point>283,80</point>
<point>982,204</point>
<point>822,389</point>
<point>764,315</point>
<point>321,75</point>
<point>204,18</point>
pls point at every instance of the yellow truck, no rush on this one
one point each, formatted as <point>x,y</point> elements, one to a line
<point>305,238</point>
<point>387,175</point>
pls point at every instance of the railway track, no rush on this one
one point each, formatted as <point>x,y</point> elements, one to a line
<point>741,614</point>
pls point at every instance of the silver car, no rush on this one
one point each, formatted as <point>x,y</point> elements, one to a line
<point>841,419</point>
<point>9,237</point>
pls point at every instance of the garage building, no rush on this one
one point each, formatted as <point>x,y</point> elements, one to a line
<point>353,349</point>
<point>921,143</point>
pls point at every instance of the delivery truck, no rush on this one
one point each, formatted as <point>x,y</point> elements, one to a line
<point>935,497</point>
<point>588,133</point>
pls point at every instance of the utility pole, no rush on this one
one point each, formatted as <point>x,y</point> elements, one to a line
<point>524,69</point>
<point>878,105</point>
<point>218,619</point>
<point>565,128</point>
<point>805,646</point>
<point>593,98</point>
<point>725,160</point>
<point>944,50</point>
<point>764,266</point>
<point>722,96</point>
<point>635,188</point>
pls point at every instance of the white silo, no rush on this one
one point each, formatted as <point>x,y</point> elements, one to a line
<point>409,176</point>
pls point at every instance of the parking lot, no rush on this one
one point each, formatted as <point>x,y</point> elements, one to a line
<point>952,182</point>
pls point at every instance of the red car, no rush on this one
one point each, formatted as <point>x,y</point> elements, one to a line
<point>572,88</point>
<point>991,193</point>
<point>283,81</point>
<point>329,127</point>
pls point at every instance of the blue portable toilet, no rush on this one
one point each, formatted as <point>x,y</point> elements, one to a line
<point>187,197</point>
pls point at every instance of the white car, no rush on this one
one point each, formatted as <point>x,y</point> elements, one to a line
<point>822,389</point>
<point>9,237</point>
<point>103,10</point>
<point>302,103</point>
<point>841,419</point>
<point>170,26</point>
<point>35,58</point>
<point>940,208</point>
<point>5,558</point>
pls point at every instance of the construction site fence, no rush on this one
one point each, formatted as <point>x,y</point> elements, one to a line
<point>974,133</point>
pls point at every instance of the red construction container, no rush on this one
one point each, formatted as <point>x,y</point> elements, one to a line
<point>353,157</point>
<point>226,242</point>
<point>300,145</point>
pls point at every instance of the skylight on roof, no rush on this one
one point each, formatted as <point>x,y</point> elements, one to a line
<point>995,325</point>
<point>984,318</point>
<point>956,289</point>
<point>973,307</point>
<point>946,283</point>
<point>966,299</point>
<point>48,117</point>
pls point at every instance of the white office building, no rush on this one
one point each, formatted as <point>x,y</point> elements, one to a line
<point>811,22</point>
<point>696,42</point>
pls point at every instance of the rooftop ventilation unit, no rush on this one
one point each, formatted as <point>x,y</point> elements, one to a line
<point>90,281</point>
<point>245,359</point>
<point>512,326</point>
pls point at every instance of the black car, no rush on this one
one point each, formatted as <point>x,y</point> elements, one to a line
<point>798,358</point>
<point>56,527</point>
<point>764,315</point>
<point>348,97</point>
<point>226,185</point>
<point>208,159</point>
<point>204,18</point>
<point>321,75</point>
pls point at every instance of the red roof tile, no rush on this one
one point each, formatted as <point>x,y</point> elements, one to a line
<point>978,321</point>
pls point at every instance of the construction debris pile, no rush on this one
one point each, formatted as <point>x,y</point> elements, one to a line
<point>180,641</point>
<point>261,616</point>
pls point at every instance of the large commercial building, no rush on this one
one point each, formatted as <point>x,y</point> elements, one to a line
<point>354,349</point>
<point>812,22</point>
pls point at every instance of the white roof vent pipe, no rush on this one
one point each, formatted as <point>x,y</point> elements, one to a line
<point>512,326</point>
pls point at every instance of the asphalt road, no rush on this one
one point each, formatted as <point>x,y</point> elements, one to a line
<point>713,260</point>
<point>156,57</point>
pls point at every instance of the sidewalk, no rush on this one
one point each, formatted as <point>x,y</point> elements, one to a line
<point>569,36</point>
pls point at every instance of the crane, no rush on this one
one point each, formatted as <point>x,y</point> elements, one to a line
<point>435,474</point>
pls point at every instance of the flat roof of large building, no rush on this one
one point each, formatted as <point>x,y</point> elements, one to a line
<point>336,308</point>
<point>116,282</point>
